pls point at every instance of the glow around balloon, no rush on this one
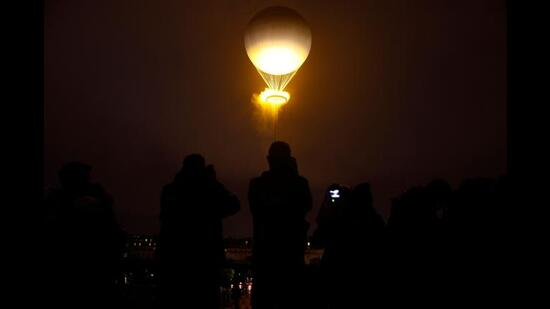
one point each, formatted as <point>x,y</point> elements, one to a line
<point>277,41</point>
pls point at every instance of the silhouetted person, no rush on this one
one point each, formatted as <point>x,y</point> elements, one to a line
<point>475,207</point>
<point>279,200</point>
<point>329,213</point>
<point>410,228</point>
<point>473,219</point>
<point>84,239</point>
<point>191,249</point>
<point>412,216</point>
<point>353,249</point>
<point>440,199</point>
<point>432,230</point>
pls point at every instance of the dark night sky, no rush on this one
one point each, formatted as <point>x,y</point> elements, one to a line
<point>393,92</point>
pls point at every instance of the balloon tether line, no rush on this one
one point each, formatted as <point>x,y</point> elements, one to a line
<point>275,116</point>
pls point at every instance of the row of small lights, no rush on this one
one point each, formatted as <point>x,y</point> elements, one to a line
<point>153,244</point>
<point>248,286</point>
<point>148,241</point>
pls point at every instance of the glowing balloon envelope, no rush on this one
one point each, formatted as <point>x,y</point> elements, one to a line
<point>277,41</point>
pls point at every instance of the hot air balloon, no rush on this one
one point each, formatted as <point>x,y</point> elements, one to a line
<point>277,41</point>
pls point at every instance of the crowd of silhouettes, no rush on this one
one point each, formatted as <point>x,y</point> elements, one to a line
<point>433,236</point>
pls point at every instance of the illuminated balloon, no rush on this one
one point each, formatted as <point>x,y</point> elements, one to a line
<point>277,41</point>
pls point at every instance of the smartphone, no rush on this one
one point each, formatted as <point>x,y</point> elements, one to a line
<point>334,195</point>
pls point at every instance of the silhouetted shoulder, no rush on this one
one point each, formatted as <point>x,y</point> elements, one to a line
<point>169,190</point>
<point>98,191</point>
<point>254,182</point>
<point>302,181</point>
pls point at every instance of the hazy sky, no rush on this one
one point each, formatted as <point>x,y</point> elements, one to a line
<point>395,93</point>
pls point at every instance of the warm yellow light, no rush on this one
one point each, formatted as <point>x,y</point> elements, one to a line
<point>274,97</point>
<point>277,41</point>
<point>276,60</point>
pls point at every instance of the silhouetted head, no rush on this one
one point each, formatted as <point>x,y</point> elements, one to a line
<point>439,191</point>
<point>415,205</point>
<point>210,172</point>
<point>74,175</point>
<point>279,149</point>
<point>279,156</point>
<point>439,187</point>
<point>193,165</point>
<point>362,195</point>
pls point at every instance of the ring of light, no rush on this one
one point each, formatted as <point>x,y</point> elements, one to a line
<point>274,97</point>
